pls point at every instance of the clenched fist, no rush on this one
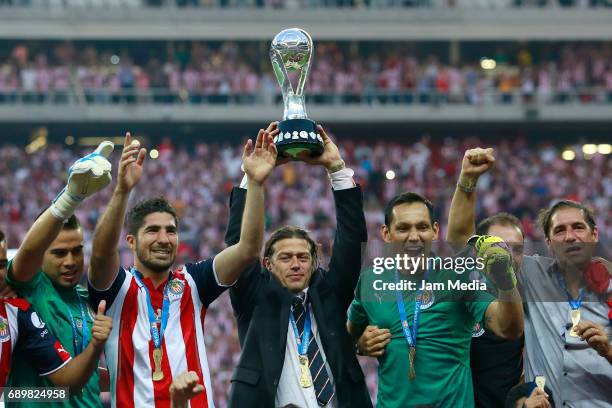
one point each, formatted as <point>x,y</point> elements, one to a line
<point>183,388</point>
<point>475,163</point>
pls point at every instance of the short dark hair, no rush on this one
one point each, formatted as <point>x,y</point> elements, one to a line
<point>136,216</point>
<point>545,216</point>
<point>407,198</point>
<point>288,232</point>
<point>72,223</point>
<point>502,218</point>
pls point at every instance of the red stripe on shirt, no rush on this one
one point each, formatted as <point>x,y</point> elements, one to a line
<point>125,363</point>
<point>20,303</point>
<point>5,358</point>
<point>191,344</point>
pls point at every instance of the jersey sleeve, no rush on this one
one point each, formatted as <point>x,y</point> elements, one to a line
<point>25,289</point>
<point>39,347</point>
<point>204,275</point>
<point>477,302</point>
<point>357,314</point>
<point>109,294</point>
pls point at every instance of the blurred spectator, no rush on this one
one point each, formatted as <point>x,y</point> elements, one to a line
<point>199,72</point>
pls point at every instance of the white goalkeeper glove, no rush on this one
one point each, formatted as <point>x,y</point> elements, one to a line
<point>86,176</point>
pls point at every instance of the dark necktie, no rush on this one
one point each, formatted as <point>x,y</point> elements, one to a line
<point>323,387</point>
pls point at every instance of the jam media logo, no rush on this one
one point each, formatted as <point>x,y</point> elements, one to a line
<point>427,299</point>
<point>478,330</point>
<point>5,334</point>
<point>176,288</point>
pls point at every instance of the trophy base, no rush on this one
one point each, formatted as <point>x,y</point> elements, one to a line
<point>296,136</point>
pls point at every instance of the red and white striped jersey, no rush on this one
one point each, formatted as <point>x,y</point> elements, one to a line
<point>129,350</point>
<point>22,331</point>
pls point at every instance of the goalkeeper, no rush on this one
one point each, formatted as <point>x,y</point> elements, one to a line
<point>47,269</point>
<point>423,341</point>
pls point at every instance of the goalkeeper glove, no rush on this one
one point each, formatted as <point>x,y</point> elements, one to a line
<point>86,176</point>
<point>497,260</point>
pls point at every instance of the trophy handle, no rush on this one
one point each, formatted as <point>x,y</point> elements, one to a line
<point>281,74</point>
<point>306,69</point>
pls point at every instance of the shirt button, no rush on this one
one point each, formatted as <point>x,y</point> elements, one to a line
<point>276,382</point>
<point>564,403</point>
<point>566,347</point>
<point>565,374</point>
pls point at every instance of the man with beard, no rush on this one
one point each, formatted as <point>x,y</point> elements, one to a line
<point>567,329</point>
<point>159,312</point>
<point>55,241</point>
<point>425,335</point>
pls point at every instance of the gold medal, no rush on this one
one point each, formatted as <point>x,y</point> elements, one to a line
<point>158,375</point>
<point>305,378</point>
<point>412,357</point>
<point>540,381</point>
<point>575,315</point>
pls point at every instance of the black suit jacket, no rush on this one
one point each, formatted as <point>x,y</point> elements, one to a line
<point>262,306</point>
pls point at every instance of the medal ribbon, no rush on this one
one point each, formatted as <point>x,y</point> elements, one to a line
<point>410,335</point>
<point>156,334</point>
<point>574,303</point>
<point>302,344</point>
<point>84,327</point>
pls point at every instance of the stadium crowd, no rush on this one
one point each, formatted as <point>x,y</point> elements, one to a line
<point>355,73</point>
<point>527,177</point>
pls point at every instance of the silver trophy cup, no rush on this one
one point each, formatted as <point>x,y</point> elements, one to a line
<point>291,51</point>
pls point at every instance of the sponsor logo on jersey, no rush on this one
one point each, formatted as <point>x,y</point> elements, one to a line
<point>61,351</point>
<point>36,322</point>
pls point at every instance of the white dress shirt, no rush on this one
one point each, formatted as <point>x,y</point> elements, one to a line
<point>289,390</point>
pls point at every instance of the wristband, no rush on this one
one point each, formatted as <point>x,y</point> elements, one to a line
<point>466,188</point>
<point>64,205</point>
<point>337,167</point>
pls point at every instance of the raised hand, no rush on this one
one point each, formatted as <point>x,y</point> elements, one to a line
<point>183,388</point>
<point>330,158</point>
<point>131,163</point>
<point>475,163</point>
<point>497,260</point>
<point>102,326</point>
<point>259,159</point>
<point>86,176</point>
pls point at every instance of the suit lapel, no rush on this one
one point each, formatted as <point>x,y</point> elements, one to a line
<point>282,307</point>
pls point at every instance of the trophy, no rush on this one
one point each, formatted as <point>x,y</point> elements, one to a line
<point>291,51</point>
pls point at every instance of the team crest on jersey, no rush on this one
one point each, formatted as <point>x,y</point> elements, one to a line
<point>176,288</point>
<point>5,334</point>
<point>478,330</point>
<point>427,299</point>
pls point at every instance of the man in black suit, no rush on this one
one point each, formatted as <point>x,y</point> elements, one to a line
<point>291,313</point>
